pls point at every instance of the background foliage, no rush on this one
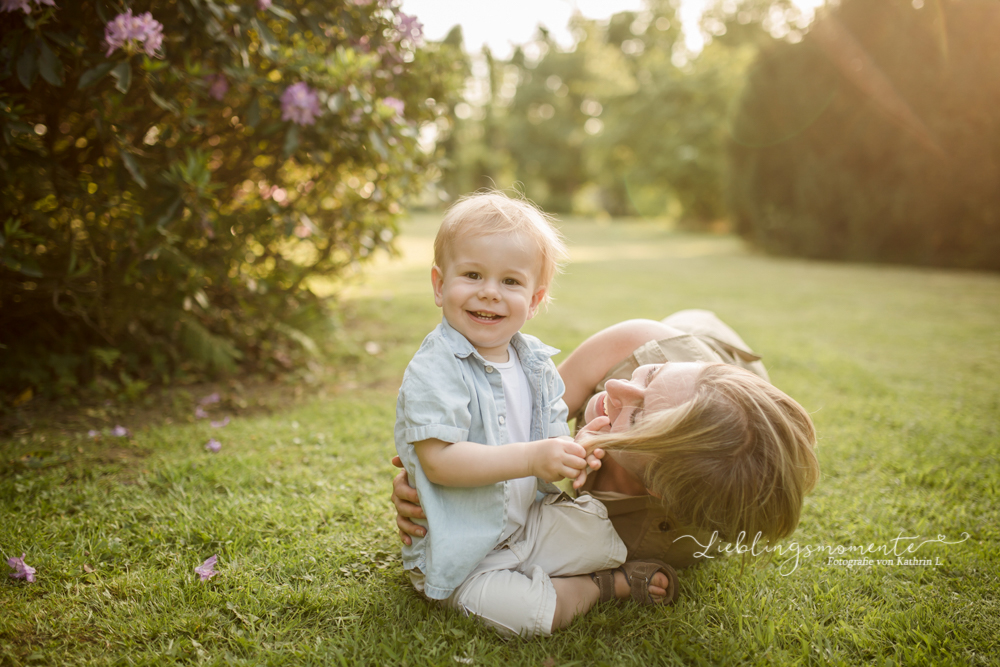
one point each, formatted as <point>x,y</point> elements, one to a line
<point>627,122</point>
<point>162,215</point>
<point>876,138</point>
<point>869,134</point>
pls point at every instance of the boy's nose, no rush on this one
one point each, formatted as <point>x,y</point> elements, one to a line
<point>489,292</point>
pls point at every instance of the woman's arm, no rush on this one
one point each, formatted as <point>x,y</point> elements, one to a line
<point>590,362</point>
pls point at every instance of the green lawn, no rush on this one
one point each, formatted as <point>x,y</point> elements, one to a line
<point>898,366</point>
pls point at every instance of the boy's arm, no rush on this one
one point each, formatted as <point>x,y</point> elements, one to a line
<point>473,464</point>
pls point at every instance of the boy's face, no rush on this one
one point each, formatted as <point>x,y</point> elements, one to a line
<point>488,289</point>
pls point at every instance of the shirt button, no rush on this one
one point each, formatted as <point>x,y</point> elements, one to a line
<point>489,369</point>
<point>501,419</point>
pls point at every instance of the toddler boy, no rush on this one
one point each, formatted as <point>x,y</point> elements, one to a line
<point>481,430</point>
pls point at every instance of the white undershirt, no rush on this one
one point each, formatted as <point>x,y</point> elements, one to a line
<point>517,397</point>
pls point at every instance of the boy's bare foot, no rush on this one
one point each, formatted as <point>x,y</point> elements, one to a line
<point>657,588</point>
<point>644,581</point>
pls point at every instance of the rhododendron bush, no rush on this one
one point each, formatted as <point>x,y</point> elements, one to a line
<point>174,173</point>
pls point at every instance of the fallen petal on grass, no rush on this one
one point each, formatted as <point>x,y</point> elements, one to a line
<point>93,434</point>
<point>210,399</point>
<point>207,569</point>
<point>199,413</point>
<point>213,446</point>
<point>21,569</point>
<point>220,423</point>
<point>120,432</point>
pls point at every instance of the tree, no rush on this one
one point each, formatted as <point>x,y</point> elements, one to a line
<point>876,138</point>
<point>173,178</point>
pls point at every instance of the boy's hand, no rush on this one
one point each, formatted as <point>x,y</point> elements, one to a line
<point>594,453</point>
<point>552,459</point>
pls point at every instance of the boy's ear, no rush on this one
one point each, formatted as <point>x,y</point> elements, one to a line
<point>437,282</point>
<point>536,300</point>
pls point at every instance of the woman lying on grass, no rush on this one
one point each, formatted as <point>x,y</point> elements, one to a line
<point>698,441</point>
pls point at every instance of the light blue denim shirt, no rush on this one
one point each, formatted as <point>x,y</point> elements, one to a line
<point>452,393</point>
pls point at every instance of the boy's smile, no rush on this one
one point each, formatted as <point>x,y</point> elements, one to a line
<point>488,289</point>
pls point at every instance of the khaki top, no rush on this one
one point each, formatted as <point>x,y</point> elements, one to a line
<point>642,521</point>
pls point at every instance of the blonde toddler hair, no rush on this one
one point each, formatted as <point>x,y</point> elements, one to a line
<point>738,457</point>
<point>493,212</point>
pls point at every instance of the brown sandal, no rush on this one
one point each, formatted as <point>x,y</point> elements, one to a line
<point>638,574</point>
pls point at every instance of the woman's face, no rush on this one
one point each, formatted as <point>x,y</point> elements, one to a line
<point>652,388</point>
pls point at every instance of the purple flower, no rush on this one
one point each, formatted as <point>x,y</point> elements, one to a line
<point>264,5</point>
<point>130,33</point>
<point>23,5</point>
<point>93,434</point>
<point>211,398</point>
<point>21,570</point>
<point>300,104</point>
<point>220,423</point>
<point>199,413</point>
<point>410,28</point>
<point>218,85</point>
<point>213,446</point>
<point>120,432</point>
<point>207,569</point>
<point>394,103</point>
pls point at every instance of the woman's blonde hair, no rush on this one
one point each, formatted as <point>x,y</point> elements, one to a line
<point>493,212</point>
<point>737,457</point>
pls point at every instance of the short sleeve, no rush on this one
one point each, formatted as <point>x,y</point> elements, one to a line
<point>558,412</point>
<point>434,397</point>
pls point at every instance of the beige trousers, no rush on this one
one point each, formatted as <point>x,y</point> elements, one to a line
<point>511,589</point>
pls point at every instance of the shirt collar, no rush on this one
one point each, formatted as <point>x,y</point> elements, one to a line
<point>531,352</point>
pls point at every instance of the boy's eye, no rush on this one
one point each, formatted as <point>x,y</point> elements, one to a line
<point>511,281</point>
<point>473,275</point>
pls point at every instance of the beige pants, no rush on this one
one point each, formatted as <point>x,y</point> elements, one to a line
<point>511,589</point>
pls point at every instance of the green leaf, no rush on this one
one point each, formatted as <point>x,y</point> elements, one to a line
<point>94,74</point>
<point>291,140</point>
<point>378,144</point>
<point>123,74</point>
<point>27,266</point>
<point>253,113</point>
<point>336,102</point>
<point>27,66</point>
<point>133,168</point>
<point>275,9</point>
<point>267,38</point>
<point>104,13</point>
<point>49,65</point>
<point>106,355</point>
<point>299,337</point>
<point>205,347</point>
<point>61,39</point>
<point>171,211</point>
<point>166,105</point>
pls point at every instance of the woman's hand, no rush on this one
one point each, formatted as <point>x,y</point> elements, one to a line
<point>594,453</point>
<point>407,504</point>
